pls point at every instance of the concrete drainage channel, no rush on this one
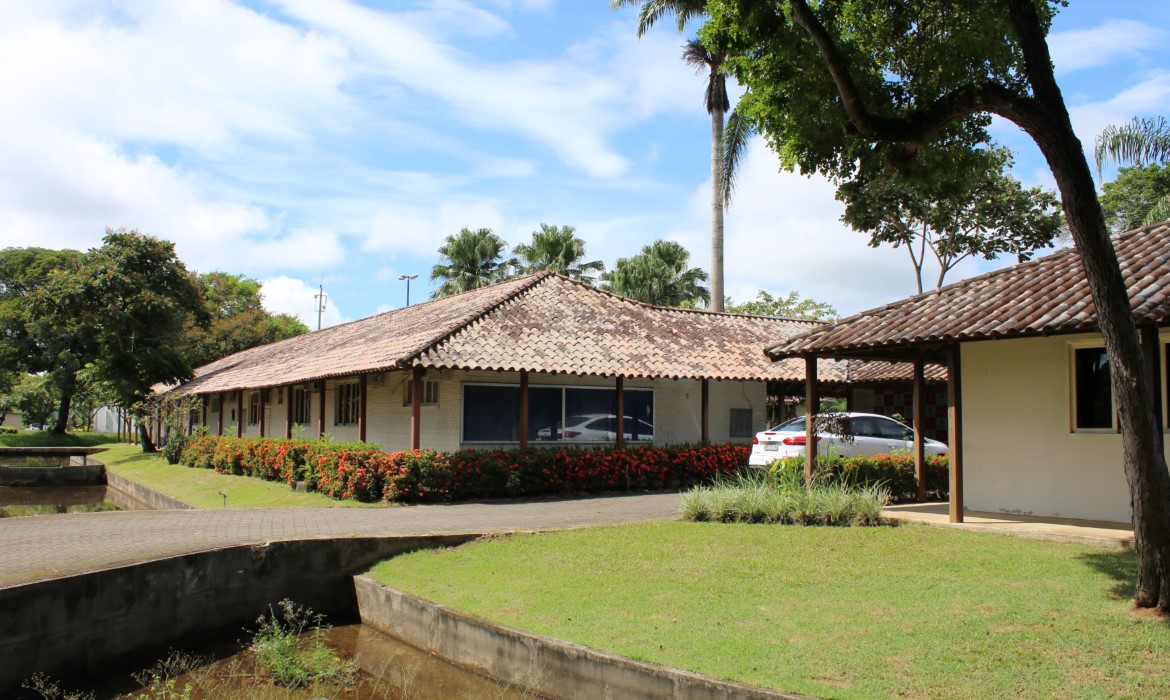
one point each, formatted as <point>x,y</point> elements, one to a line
<point>79,625</point>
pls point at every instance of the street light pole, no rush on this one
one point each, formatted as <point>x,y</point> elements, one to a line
<point>408,278</point>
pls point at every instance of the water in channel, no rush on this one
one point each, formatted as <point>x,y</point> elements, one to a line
<point>19,501</point>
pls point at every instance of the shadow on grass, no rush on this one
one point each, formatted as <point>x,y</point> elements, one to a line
<point>1118,565</point>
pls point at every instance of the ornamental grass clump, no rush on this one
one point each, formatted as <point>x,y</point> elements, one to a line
<point>290,648</point>
<point>779,496</point>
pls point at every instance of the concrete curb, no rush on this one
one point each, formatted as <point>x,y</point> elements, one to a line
<point>76,626</point>
<point>93,474</point>
<point>551,668</point>
<point>131,495</point>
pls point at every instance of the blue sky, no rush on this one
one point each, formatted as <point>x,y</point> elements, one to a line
<point>310,141</point>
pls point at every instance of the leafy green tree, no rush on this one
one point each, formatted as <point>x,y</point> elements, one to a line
<point>976,209</point>
<point>700,56</point>
<point>470,260</point>
<point>784,306</point>
<point>238,320</point>
<point>841,85</point>
<point>1138,142</point>
<point>37,397</point>
<point>1140,196</point>
<point>33,338</point>
<point>133,297</point>
<point>557,248</point>
<point>658,275</point>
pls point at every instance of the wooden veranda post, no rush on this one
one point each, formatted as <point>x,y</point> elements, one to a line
<point>219,414</point>
<point>362,383</point>
<point>523,409</point>
<point>288,411</point>
<point>706,409</point>
<point>955,430</point>
<point>321,411</point>
<point>263,404</point>
<point>812,407</point>
<point>203,406</point>
<point>416,408</point>
<point>919,443</point>
<point>620,427</point>
<point>240,413</point>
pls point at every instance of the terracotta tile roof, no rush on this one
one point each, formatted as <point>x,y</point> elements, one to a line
<point>1044,296</point>
<point>540,323</point>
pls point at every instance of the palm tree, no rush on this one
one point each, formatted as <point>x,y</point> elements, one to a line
<point>696,55</point>
<point>658,275</point>
<point>557,248</point>
<point>1138,141</point>
<point>470,260</point>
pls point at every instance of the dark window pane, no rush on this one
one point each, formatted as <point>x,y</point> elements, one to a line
<point>891,429</point>
<point>741,423</point>
<point>1094,407</point>
<point>582,406</point>
<point>491,413</point>
<point>863,427</point>
<point>544,413</point>
<point>639,420</point>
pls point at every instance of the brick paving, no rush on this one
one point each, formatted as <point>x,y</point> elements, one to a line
<point>51,546</point>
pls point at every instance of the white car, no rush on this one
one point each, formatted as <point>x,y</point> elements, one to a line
<point>872,435</point>
<point>597,427</point>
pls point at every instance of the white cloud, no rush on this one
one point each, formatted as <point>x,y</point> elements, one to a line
<point>422,232</point>
<point>1110,42</point>
<point>288,295</point>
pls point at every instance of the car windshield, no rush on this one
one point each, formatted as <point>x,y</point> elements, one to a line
<point>796,425</point>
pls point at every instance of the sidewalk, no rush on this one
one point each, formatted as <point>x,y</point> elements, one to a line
<point>1108,534</point>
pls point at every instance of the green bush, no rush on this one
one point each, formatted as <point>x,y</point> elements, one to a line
<point>291,649</point>
<point>760,498</point>
<point>8,430</point>
<point>894,472</point>
<point>361,471</point>
<point>173,450</point>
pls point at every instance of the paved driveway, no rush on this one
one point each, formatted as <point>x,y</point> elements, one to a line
<point>49,546</point>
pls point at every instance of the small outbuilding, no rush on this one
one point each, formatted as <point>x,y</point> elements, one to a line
<point>1033,428</point>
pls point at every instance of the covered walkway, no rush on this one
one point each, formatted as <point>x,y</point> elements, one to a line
<point>1097,532</point>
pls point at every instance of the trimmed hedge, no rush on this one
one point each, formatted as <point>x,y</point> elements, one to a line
<point>895,472</point>
<point>361,471</point>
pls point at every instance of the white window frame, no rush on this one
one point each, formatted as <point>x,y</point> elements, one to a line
<point>255,406</point>
<point>301,395</point>
<point>351,394</point>
<point>430,391</point>
<point>562,387</point>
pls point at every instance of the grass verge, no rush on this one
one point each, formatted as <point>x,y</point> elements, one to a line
<point>201,488</point>
<point>912,611</point>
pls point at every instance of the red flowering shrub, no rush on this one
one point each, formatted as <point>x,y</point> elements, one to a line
<point>361,471</point>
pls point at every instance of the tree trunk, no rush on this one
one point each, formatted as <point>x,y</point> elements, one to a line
<point>716,211</point>
<point>144,435</point>
<point>68,388</point>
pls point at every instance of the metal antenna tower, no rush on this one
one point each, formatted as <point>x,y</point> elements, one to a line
<point>320,298</point>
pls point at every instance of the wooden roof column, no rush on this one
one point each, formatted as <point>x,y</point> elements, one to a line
<point>362,383</point>
<point>919,443</point>
<point>321,411</point>
<point>263,404</point>
<point>955,429</point>
<point>416,388</point>
<point>240,413</point>
<point>523,409</point>
<point>705,401</point>
<point>219,430</point>
<point>621,412</point>
<point>288,411</point>
<point>204,402</point>
<point>811,408</point>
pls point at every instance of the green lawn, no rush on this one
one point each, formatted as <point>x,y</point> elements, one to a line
<point>199,487</point>
<point>911,611</point>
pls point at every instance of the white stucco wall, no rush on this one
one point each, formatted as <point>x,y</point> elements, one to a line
<point>1021,452</point>
<point>677,408</point>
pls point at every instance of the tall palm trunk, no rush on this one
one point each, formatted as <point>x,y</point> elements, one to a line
<point>717,210</point>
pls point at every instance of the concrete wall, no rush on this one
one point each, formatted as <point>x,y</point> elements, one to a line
<point>130,495</point>
<point>78,625</point>
<point>1022,454</point>
<point>548,667</point>
<point>677,409</point>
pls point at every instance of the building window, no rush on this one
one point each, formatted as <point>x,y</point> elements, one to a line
<point>430,393</point>
<point>300,406</point>
<point>741,423</point>
<point>491,413</point>
<point>1092,394</point>
<point>348,404</point>
<point>254,408</point>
